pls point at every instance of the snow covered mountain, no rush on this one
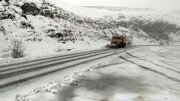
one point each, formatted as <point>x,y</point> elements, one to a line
<point>47,28</point>
<point>111,8</point>
<point>177,12</point>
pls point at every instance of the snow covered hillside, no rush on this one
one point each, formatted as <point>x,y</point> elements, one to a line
<point>118,9</point>
<point>177,12</point>
<point>50,28</point>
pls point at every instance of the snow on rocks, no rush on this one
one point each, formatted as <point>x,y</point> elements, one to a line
<point>35,31</point>
<point>64,27</point>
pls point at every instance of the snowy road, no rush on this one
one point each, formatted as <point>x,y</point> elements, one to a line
<point>20,72</point>
<point>146,74</point>
<point>142,73</point>
<point>170,73</point>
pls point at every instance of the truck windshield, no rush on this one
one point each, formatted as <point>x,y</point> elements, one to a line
<point>117,37</point>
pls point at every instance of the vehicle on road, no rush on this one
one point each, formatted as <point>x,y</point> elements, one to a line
<point>118,41</point>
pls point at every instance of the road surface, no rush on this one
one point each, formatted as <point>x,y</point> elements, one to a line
<point>19,72</point>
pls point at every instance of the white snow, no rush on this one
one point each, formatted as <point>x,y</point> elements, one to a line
<point>62,77</point>
<point>39,45</point>
<point>123,81</point>
<point>82,11</point>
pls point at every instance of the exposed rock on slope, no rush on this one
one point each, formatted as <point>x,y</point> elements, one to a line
<point>47,29</point>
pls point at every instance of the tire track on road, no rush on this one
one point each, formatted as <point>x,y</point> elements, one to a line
<point>152,63</point>
<point>43,60</point>
<point>44,65</point>
<point>153,70</point>
<point>19,76</point>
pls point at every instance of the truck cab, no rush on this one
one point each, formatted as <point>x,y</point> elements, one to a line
<point>118,41</point>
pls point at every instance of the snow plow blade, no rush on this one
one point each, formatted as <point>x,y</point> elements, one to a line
<point>111,46</point>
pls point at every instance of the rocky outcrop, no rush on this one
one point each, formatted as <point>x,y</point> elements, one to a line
<point>30,8</point>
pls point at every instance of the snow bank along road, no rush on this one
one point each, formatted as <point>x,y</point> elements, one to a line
<point>19,72</point>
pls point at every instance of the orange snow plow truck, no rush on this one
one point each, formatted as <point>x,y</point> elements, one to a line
<point>118,42</point>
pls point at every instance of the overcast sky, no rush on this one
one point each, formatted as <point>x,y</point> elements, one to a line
<point>169,5</point>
